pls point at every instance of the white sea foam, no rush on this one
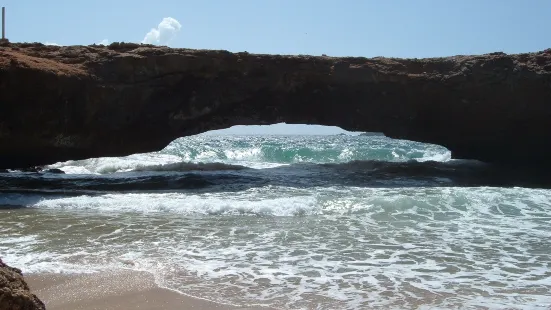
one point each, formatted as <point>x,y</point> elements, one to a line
<point>263,152</point>
<point>104,165</point>
<point>324,248</point>
<point>186,166</point>
<point>436,156</point>
<point>185,204</point>
<point>244,154</point>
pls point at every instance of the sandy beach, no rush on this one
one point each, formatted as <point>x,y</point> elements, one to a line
<point>120,290</point>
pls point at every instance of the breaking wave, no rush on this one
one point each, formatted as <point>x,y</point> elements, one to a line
<point>186,166</point>
<point>260,152</point>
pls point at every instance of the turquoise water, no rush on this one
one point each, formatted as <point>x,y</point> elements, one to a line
<point>296,222</point>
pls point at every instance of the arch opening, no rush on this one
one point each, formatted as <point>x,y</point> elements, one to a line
<point>264,146</point>
<point>280,152</point>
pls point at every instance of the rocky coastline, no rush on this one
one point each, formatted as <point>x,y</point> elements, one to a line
<point>14,291</point>
<point>74,102</point>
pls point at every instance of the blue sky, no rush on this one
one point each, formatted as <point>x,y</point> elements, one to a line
<point>282,129</point>
<point>393,28</point>
<point>401,28</point>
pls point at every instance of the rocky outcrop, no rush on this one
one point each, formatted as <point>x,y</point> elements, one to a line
<point>61,103</point>
<point>14,291</point>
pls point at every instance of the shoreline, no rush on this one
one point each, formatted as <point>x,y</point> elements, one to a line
<point>114,290</point>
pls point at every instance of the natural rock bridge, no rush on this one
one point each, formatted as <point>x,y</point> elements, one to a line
<point>61,103</point>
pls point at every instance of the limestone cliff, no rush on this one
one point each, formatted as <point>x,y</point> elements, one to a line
<point>14,291</point>
<point>60,103</point>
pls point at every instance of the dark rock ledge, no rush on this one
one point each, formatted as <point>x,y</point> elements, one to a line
<point>14,291</point>
<point>76,102</point>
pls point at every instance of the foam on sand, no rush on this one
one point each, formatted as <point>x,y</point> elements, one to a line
<point>115,290</point>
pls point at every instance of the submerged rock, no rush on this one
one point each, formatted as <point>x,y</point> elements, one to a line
<point>370,134</point>
<point>54,170</point>
<point>14,291</point>
<point>32,169</point>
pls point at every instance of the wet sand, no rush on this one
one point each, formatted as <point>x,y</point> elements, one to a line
<point>120,290</point>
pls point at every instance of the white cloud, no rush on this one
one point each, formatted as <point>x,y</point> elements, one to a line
<point>164,33</point>
<point>51,43</point>
<point>104,42</point>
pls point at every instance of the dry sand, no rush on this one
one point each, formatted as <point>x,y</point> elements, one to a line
<point>120,290</point>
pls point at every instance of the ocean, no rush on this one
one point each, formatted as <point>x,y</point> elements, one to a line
<point>294,222</point>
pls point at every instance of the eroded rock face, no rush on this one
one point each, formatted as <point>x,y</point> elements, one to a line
<point>61,103</point>
<point>14,291</point>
